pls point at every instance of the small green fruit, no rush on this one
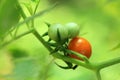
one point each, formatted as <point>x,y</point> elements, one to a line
<point>58,32</point>
<point>73,29</point>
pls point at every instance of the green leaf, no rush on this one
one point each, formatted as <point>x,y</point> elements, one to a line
<point>18,53</point>
<point>26,69</point>
<point>9,15</point>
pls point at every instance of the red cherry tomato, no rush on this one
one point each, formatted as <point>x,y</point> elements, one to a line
<point>80,45</point>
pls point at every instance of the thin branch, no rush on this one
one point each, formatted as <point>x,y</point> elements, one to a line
<point>98,75</point>
<point>36,7</point>
<point>75,61</point>
<point>108,63</point>
<point>34,13</point>
<point>84,58</point>
<point>39,37</point>
<point>35,16</point>
<point>15,33</point>
<point>19,36</point>
<point>23,15</point>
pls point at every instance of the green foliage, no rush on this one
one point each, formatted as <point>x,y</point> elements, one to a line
<point>25,69</point>
<point>9,15</point>
<point>17,53</point>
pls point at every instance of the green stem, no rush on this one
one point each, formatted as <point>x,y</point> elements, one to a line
<point>15,38</point>
<point>15,33</point>
<point>36,7</point>
<point>35,16</point>
<point>108,63</point>
<point>84,58</point>
<point>75,61</point>
<point>39,37</point>
<point>35,12</point>
<point>98,75</point>
<point>23,14</point>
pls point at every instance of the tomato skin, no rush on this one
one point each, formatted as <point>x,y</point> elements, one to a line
<point>73,29</point>
<point>80,45</point>
<point>52,32</point>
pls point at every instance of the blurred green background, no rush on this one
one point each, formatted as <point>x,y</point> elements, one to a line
<point>26,58</point>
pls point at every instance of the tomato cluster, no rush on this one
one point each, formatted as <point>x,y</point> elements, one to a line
<point>61,34</point>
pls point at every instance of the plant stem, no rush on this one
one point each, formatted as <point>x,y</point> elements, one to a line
<point>23,15</point>
<point>36,7</point>
<point>39,37</point>
<point>98,75</point>
<point>35,16</point>
<point>79,55</point>
<point>34,13</point>
<point>75,61</point>
<point>15,38</point>
<point>108,63</point>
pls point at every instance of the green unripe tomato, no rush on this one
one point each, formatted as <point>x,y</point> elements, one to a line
<point>58,32</point>
<point>73,29</point>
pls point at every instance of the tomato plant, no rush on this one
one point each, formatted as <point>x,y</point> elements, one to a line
<point>80,45</point>
<point>21,16</point>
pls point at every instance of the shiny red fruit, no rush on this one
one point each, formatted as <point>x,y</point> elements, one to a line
<point>80,45</point>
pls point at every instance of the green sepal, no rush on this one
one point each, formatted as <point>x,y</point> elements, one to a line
<point>55,50</point>
<point>48,24</point>
<point>84,58</point>
<point>63,67</point>
<point>74,67</point>
<point>49,40</point>
<point>45,34</point>
<point>58,34</point>
<point>69,64</point>
<point>53,44</point>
